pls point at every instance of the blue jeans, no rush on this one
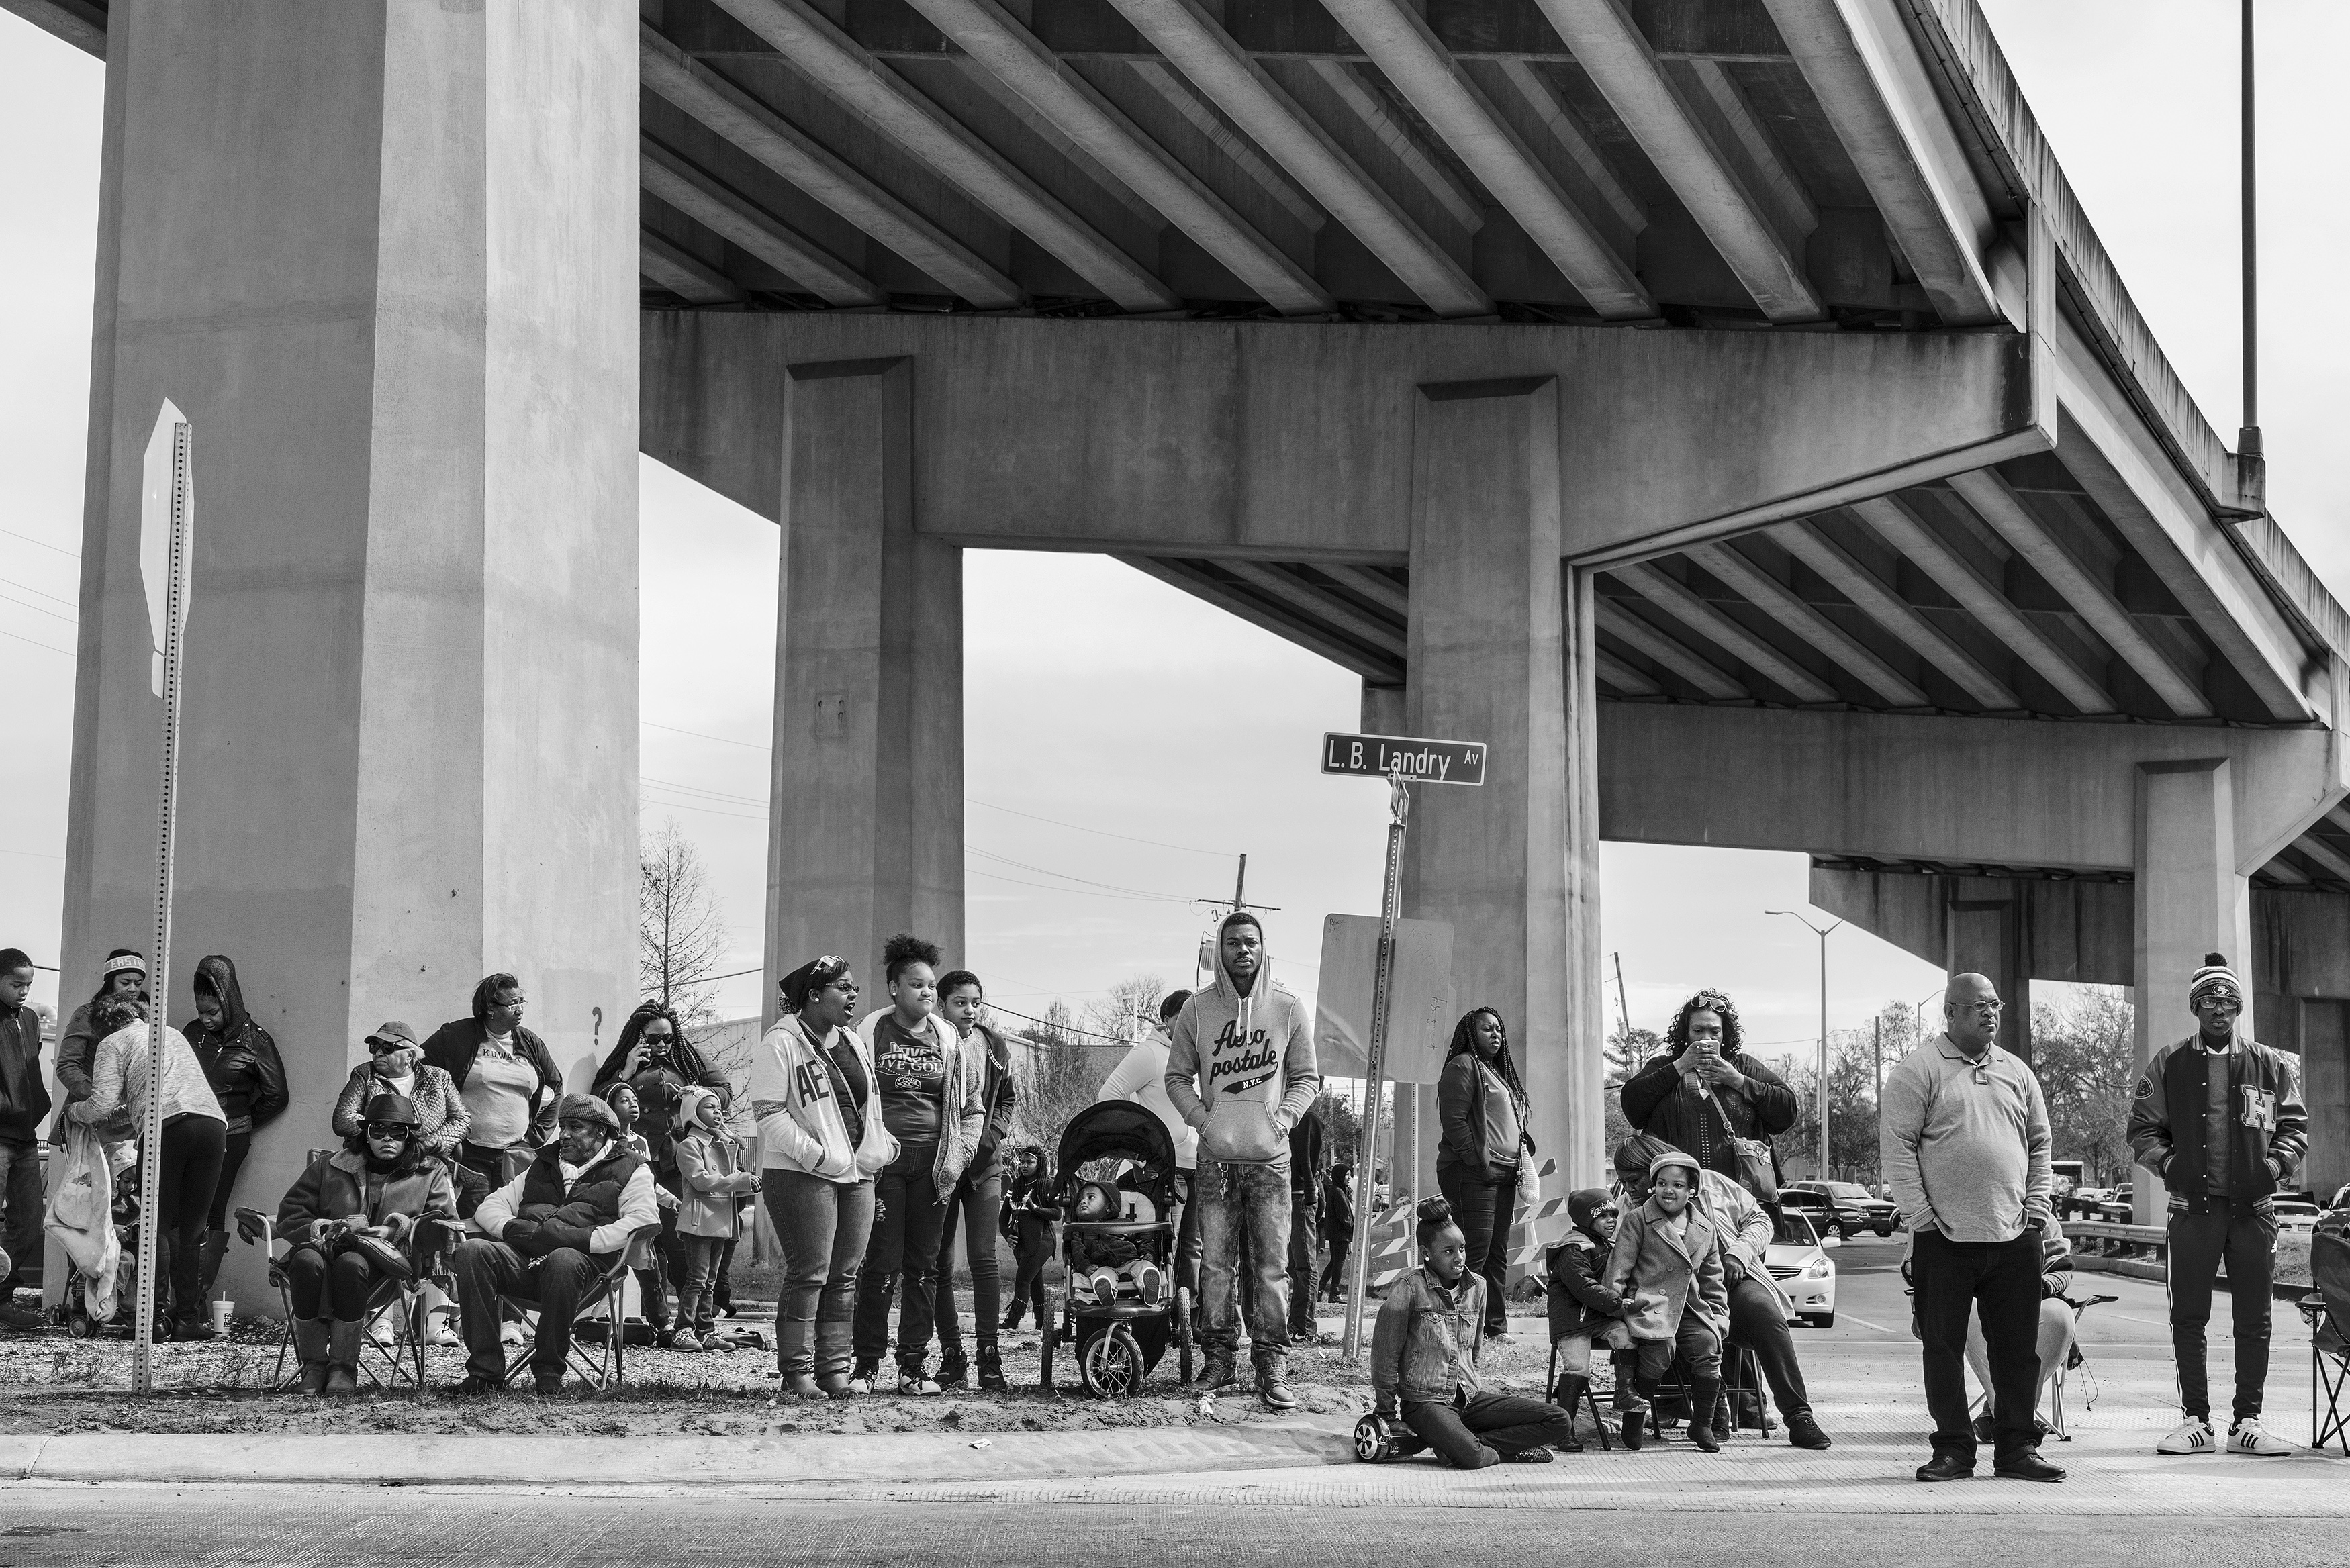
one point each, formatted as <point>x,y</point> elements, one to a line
<point>1237,1201</point>
<point>823,1227</point>
<point>20,1204</point>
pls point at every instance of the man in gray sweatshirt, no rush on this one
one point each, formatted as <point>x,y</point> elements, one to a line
<point>1239,1068</point>
<point>1963,1134</point>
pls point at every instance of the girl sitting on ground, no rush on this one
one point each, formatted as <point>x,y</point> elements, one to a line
<point>1424,1361</point>
<point>1667,1265</point>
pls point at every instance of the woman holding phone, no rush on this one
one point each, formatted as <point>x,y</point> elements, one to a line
<point>1703,1094</point>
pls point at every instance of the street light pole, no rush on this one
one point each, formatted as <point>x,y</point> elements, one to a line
<point>1822,935</point>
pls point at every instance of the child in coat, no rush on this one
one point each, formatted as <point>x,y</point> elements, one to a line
<point>1582,1308</point>
<point>1667,1265</point>
<point>710,1177</point>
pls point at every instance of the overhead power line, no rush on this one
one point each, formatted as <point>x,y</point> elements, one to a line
<point>44,543</point>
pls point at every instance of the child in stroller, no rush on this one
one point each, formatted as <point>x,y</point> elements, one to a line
<point>1119,1247</point>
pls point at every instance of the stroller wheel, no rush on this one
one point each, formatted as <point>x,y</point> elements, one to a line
<point>77,1324</point>
<point>1112,1364</point>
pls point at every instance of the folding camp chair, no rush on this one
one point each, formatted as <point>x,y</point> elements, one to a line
<point>2326,1309</point>
<point>1742,1383</point>
<point>606,1367</point>
<point>1590,1397</point>
<point>2076,1360</point>
<point>402,1300</point>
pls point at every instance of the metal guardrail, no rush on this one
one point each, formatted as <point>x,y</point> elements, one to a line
<point>2113,1232</point>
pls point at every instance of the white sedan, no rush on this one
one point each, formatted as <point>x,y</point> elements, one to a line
<point>1804,1270</point>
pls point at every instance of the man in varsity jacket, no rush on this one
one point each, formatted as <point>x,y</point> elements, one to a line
<point>2219,1119</point>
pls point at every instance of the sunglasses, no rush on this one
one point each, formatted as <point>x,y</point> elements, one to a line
<point>388,1129</point>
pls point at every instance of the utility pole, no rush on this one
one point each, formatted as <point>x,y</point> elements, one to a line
<point>1623,1008</point>
<point>2248,439</point>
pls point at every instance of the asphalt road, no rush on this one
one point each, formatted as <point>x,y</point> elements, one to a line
<point>414,1530</point>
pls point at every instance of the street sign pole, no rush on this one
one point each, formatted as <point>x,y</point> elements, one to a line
<point>167,521</point>
<point>1374,1090</point>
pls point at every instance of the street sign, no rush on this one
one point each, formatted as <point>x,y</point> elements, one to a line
<point>165,499</point>
<point>1419,762</point>
<point>1419,984</point>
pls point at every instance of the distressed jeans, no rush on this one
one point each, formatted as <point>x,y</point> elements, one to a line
<point>1239,1202</point>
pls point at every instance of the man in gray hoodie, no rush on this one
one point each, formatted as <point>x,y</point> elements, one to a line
<point>1239,1068</point>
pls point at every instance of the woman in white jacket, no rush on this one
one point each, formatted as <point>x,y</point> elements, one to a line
<point>821,1142</point>
<point>928,1085</point>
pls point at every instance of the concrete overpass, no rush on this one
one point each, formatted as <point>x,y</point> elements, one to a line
<point>1721,407</point>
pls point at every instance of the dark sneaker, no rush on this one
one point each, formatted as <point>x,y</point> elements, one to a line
<point>470,1386</point>
<point>548,1384</point>
<point>1277,1394</point>
<point>1219,1371</point>
<point>1986,1428</point>
<point>1804,1433</point>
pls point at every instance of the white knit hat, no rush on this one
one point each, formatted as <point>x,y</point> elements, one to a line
<point>2215,975</point>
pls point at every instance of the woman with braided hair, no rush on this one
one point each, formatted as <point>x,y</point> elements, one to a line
<point>1704,1092</point>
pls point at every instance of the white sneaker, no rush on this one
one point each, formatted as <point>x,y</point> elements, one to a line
<point>2247,1438</point>
<point>919,1385</point>
<point>2192,1435</point>
<point>509,1335</point>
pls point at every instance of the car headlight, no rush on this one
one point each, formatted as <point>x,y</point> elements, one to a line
<point>1820,1269</point>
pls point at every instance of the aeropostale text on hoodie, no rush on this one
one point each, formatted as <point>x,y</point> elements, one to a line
<point>1240,1066</point>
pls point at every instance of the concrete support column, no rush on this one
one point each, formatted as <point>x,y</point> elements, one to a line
<point>1496,656</point>
<point>867,836</point>
<point>2191,900</point>
<point>383,257</point>
<point>1993,937</point>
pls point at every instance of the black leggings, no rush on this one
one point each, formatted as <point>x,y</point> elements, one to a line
<point>1034,1250</point>
<point>347,1282</point>
<point>185,1174</point>
<point>233,1148</point>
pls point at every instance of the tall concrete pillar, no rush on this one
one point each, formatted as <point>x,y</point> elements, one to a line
<point>1993,937</point>
<point>382,254</point>
<point>1499,652</point>
<point>866,835</point>
<point>2191,900</point>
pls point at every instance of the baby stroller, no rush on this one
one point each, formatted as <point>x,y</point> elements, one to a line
<point>1120,1324</point>
<point>74,1311</point>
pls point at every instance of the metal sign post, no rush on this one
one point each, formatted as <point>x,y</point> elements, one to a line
<point>1367,1149</point>
<point>1404,763</point>
<point>167,521</point>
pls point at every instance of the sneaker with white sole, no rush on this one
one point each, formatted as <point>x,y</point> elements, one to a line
<point>2246,1437</point>
<point>2192,1435</point>
<point>509,1335</point>
<point>917,1384</point>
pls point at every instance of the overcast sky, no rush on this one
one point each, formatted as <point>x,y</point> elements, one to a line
<point>1101,703</point>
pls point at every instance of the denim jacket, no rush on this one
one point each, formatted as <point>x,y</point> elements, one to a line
<point>1424,1349</point>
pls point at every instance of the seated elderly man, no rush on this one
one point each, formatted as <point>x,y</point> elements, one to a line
<point>1758,1308</point>
<point>548,1235</point>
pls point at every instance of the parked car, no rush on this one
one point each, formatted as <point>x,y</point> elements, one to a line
<point>2296,1212</point>
<point>1851,1210</point>
<point>1803,1268</point>
<point>1815,1207</point>
<point>2119,1207</point>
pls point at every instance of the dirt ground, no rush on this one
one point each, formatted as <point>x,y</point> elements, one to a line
<point>53,1383</point>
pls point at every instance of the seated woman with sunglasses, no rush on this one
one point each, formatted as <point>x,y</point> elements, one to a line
<point>352,1219</point>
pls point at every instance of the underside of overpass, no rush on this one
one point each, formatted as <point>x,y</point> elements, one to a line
<point>1618,381</point>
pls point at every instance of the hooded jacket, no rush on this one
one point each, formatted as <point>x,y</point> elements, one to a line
<point>241,1060</point>
<point>963,1106</point>
<point>710,1173</point>
<point>800,1125</point>
<point>1659,1275</point>
<point>1239,1068</point>
<point>1140,1075</point>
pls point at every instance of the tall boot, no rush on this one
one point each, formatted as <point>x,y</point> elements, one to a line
<point>1568,1395</point>
<point>1705,1394</point>
<point>1636,1415</point>
<point>216,1249</point>
<point>343,1356</point>
<point>310,1349</point>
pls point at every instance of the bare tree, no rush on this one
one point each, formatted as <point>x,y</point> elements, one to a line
<point>1054,1076</point>
<point>1129,1008</point>
<point>2084,1054</point>
<point>681,933</point>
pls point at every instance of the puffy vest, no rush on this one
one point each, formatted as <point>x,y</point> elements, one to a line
<point>542,1193</point>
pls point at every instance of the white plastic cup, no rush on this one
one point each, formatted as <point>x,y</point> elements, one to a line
<point>221,1310</point>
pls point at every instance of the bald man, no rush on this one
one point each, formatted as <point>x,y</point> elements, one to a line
<point>1964,1139</point>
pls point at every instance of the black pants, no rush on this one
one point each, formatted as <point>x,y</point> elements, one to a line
<point>233,1148</point>
<point>1485,1207</point>
<point>343,1285</point>
<point>1505,1423</point>
<point>1031,1253</point>
<point>2000,1281</point>
<point>185,1175</point>
<point>904,1248</point>
<point>1757,1324</point>
<point>1188,1251</point>
<point>555,1284</point>
<point>1305,1222</point>
<point>976,1209</point>
<point>1333,1273</point>
<point>2246,1241</point>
